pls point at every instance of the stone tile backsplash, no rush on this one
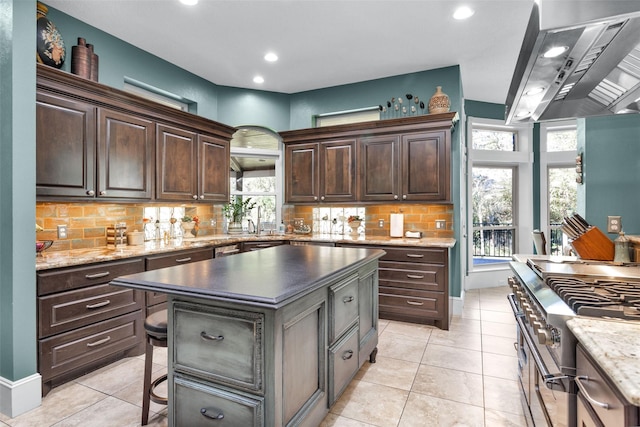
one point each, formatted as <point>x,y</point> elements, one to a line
<point>87,222</point>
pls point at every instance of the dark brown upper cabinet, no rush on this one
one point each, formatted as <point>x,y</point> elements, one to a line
<point>406,159</point>
<point>94,141</point>
<point>125,155</point>
<point>65,147</point>
<point>189,166</point>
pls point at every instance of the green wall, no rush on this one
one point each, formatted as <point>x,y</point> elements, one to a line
<point>611,170</point>
<point>17,189</point>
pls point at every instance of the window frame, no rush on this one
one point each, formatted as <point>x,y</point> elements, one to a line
<point>521,161</point>
<point>552,159</point>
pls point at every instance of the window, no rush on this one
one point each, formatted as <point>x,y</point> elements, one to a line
<point>351,116</point>
<point>498,173</point>
<point>256,173</point>
<point>558,187</point>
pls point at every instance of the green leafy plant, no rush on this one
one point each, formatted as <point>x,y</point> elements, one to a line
<point>238,208</point>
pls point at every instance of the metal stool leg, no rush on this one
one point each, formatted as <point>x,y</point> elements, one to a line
<point>148,365</point>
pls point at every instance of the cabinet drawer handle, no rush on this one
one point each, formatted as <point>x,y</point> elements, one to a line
<point>97,275</point>
<point>415,276</point>
<point>217,416</point>
<point>347,299</point>
<point>187,259</point>
<point>347,355</point>
<point>91,193</point>
<point>584,391</point>
<point>103,193</point>
<point>206,336</point>
<point>415,256</point>
<point>99,342</point>
<point>194,197</point>
<point>415,303</point>
<point>263,245</point>
<point>98,304</point>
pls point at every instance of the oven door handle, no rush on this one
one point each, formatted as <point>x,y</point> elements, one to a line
<point>549,378</point>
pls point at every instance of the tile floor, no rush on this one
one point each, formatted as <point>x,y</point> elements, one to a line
<point>423,377</point>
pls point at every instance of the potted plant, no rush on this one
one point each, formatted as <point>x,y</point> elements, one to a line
<point>235,211</point>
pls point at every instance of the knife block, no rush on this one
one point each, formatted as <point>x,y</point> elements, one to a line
<point>594,244</point>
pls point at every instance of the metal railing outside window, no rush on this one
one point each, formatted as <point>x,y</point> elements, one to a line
<point>494,241</point>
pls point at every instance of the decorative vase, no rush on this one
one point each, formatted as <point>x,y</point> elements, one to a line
<point>94,63</point>
<point>234,227</point>
<point>187,230</point>
<point>439,102</point>
<point>354,226</point>
<point>50,46</point>
<point>81,59</point>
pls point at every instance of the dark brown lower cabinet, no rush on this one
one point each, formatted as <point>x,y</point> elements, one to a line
<point>83,322</point>
<point>414,285</point>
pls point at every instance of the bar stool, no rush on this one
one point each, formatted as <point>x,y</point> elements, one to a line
<point>155,326</point>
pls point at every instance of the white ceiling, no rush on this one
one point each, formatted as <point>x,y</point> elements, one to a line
<point>320,43</point>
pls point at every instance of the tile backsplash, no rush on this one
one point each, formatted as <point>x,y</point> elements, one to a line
<point>87,222</point>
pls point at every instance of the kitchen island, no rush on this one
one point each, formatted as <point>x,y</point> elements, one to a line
<point>266,338</point>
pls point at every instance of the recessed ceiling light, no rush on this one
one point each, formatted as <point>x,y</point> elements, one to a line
<point>271,57</point>
<point>555,51</point>
<point>463,12</point>
<point>189,2</point>
<point>258,79</point>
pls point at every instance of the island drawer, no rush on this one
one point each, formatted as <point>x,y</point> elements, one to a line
<point>343,306</point>
<point>64,311</point>
<point>197,404</point>
<point>74,278</point>
<point>413,275</point>
<point>343,363</point>
<point>223,345</point>
<point>85,347</point>
<point>411,302</point>
<point>426,255</point>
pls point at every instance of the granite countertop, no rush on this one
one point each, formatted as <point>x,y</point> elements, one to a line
<point>615,347</point>
<point>284,273</point>
<point>58,259</point>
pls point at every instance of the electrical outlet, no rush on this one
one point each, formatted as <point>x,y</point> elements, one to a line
<point>441,224</point>
<point>381,223</point>
<point>614,224</point>
<point>62,232</point>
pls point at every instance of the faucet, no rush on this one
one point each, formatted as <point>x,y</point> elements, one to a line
<point>258,223</point>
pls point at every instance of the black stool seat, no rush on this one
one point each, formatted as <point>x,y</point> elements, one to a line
<point>155,326</point>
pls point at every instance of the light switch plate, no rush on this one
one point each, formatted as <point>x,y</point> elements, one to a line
<point>441,224</point>
<point>614,224</point>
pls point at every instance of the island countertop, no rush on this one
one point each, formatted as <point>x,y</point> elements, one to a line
<point>270,277</point>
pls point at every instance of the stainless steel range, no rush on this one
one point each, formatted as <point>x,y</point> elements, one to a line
<point>547,291</point>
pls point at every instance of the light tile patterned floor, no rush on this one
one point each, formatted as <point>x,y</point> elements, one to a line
<point>423,377</point>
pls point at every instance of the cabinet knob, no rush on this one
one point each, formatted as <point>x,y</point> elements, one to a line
<point>103,193</point>
<point>195,197</point>
<point>91,193</point>
<point>322,198</point>
<point>202,197</point>
<point>315,197</point>
<point>395,197</point>
<point>404,197</point>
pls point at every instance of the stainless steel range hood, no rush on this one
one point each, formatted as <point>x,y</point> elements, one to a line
<point>598,73</point>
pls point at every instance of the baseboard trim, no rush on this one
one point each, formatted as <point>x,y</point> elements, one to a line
<point>18,397</point>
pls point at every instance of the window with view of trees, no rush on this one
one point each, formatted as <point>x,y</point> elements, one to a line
<point>558,145</point>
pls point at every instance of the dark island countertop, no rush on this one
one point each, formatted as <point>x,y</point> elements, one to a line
<point>270,277</point>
